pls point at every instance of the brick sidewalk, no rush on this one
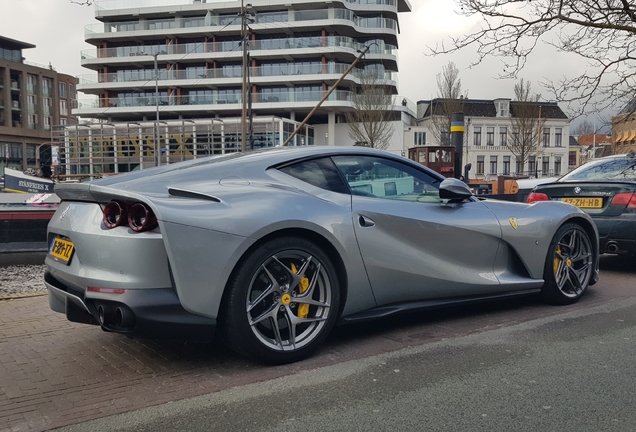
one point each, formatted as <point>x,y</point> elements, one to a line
<point>55,373</point>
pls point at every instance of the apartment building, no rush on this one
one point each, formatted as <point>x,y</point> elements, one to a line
<point>33,98</point>
<point>183,60</point>
<point>624,129</point>
<point>493,133</point>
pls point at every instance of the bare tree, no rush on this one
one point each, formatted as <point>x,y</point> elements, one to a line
<point>449,93</point>
<point>602,32</point>
<point>585,127</point>
<point>525,121</point>
<point>370,122</point>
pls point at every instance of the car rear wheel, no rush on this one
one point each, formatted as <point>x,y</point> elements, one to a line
<point>569,265</point>
<point>282,302</point>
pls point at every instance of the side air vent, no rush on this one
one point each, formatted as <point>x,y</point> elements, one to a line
<point>191,194</point>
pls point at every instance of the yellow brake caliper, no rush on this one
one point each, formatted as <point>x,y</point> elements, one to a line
<point>303,308</point>
<point>556,259</point>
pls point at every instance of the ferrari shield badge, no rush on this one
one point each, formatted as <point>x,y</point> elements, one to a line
<point>513,223</point>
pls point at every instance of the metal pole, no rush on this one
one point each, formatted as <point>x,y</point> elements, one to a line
<point>244,74</point>
<point>324,98</point>
<point>457,141</point>
<point>157,145</point>
<point>594,139</point>
<point>536,158</point>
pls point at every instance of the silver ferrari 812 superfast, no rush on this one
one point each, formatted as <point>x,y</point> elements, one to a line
<point>275,247</point>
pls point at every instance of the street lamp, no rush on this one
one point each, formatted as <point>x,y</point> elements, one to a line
<point>157,146</point>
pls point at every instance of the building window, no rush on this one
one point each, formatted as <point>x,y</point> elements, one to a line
<point>545,166</point>
<point>445,137</point>
<point>46,87</point>
<point>477,136</point>
<point>31,103</point>
<point>546,137</point>
<point>33,121</point>
<point>62,89</point>
<point>519,165</point>
<point>63,122</point>
<point>63,108</point>
<point>531,165</point>
<point>480,165</point>
<point>503,136</point>
<point>31,83</point>
<point>419,138</point>
<point>47,104</point>
<point>15,152</point>
<point>71,91</point>
<point>558,137</point>
<point>572,158</point>
<point>493,164</point>
<point>506,165</point>
<point>490,136</point>
<point>30,152</point>
<point>502,109</point>
<point>557,165</point>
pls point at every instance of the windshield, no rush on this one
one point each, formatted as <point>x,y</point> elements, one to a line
<point>606,169</point>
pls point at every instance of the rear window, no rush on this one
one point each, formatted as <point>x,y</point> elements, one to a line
<point>318,172</point>
<point>609,169</point>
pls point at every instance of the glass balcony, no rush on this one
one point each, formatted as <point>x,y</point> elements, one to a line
<point>375,47</point>
<point>287,69</point>
<point>226,20</point>
<point>282,96</point>
<point>129,4</point>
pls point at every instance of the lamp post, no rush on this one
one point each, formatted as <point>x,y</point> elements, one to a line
<point>157,145</point>
<point>244,81</point>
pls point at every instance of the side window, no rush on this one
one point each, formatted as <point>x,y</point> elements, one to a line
<point>321,173</point>
<point>387,179</point>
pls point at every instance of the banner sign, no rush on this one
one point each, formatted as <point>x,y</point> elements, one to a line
<point>17,181</point>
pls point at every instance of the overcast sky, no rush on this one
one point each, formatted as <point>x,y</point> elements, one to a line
<point>56,27</point>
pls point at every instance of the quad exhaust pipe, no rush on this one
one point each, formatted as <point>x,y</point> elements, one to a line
<point>124,318</point>
<point>120,317</point>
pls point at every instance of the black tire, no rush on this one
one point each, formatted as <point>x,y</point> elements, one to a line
<point>274,315</point>
<point>569,265</point>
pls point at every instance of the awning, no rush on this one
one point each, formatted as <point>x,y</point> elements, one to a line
<point>632,137</point>
<point>620,137</point>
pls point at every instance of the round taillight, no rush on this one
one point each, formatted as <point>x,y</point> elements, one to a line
<point>115,214</point>
<point>141,218</point>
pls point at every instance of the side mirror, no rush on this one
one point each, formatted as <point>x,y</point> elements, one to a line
<point>454,189</point>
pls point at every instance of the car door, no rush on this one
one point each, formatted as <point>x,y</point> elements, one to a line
<point>416,246</point>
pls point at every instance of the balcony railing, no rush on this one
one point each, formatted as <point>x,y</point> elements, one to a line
<point>375,47</point>
<point>261,18</point>
<point>142,101</point>
<point>292,69</point>
<point>129,4</point>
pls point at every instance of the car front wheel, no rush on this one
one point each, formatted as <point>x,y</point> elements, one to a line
<point>282,301</point>
<point>569,265</point>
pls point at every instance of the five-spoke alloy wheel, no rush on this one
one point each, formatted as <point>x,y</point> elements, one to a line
<point>282,302</point>
<point>569,265</point>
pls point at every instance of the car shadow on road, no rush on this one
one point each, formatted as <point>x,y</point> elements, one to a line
<point>618,263</point>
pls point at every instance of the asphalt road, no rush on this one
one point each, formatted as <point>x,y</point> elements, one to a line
<point>534,368</point>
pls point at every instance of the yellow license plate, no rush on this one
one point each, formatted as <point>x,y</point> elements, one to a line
<point>583,202</point>
<point>61,250</point>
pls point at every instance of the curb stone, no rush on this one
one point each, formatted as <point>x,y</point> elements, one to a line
<point>23,295</point>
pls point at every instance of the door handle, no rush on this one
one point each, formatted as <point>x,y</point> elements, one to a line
<point>365,221</point>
